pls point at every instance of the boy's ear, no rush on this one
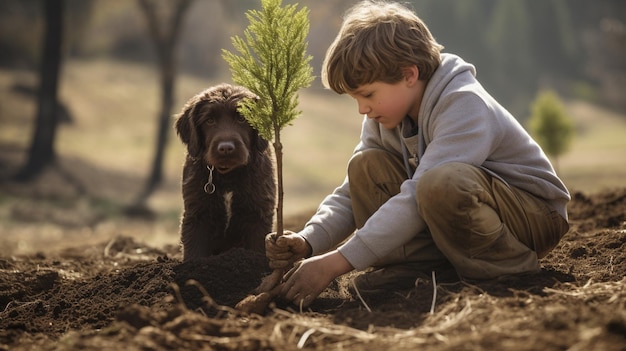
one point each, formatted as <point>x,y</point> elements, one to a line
<point>411,74</point>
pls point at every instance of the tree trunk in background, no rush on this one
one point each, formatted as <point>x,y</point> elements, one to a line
<point>165,36</point>
<point>41,153</point>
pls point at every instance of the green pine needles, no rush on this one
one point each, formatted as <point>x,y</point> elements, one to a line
<point>272,62</point>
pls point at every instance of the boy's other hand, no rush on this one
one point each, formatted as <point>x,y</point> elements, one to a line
<point>308,278</point>
<point>283,251</point>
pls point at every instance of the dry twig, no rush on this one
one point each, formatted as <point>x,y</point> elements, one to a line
<point>358,293</point>
<point>432,306</point>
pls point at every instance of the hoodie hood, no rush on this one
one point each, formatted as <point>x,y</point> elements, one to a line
<point>452,68</point>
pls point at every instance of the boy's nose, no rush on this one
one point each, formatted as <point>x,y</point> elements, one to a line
<point>364,109</point>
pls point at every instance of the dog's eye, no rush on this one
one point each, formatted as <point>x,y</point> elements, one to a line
<point>210,121</point>
<point>241,119</point>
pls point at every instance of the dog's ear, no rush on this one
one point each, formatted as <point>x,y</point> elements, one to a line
<point>186,127</point>
<point>261,143</point>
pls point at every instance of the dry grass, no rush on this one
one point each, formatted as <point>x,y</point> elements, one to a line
<point>462,322</point>
<point>114,106</point>
<point>597,158</point>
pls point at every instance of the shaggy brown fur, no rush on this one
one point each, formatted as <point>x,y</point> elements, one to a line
<point>228,178</point>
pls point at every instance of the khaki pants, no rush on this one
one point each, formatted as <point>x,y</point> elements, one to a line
<point>480,225</point>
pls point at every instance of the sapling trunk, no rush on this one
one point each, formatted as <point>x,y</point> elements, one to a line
<point>278,150</point>
<point>270,285</point>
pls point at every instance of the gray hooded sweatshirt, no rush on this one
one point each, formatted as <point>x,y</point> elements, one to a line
<point>458,121</point>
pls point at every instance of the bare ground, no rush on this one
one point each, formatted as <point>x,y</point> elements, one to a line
<point>126,292</point>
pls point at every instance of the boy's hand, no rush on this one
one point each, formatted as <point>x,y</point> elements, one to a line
<point>308,278</point>
<point>283,251</point>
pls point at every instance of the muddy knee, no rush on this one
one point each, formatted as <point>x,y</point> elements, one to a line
<point>371,162</point>
<point>376,170</point>
<point>448,186</point>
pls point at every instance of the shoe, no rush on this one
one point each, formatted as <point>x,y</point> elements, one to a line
<point>397,278</point>
<point>387,279</point>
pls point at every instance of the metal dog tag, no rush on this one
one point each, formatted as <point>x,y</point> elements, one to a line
<point>209,187</point>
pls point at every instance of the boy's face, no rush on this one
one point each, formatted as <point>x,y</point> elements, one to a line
<point>388,103</point>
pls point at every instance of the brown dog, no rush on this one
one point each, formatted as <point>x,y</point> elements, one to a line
<point>228,180</point>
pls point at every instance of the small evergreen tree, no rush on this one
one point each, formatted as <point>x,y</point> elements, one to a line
<point>550,125</point>
<point>272,63</point>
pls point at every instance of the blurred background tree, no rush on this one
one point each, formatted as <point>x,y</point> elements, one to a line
<point>41,153</point>
<point>550,125</point>
<point>165,22</point>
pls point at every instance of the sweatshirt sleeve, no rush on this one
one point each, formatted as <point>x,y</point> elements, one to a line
<point>393,225</point>
<point>333,221</point>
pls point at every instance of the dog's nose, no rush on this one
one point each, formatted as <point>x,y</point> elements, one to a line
<point>226,147</point>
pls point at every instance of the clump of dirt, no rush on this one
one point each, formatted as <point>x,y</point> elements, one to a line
<point>125,294</point>
<point>227,278</point>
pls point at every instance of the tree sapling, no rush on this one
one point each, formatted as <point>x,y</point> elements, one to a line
<point>272,62</point>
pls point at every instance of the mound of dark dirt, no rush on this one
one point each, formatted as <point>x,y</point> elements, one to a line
<point>40,295</point>
<point>128,295</point>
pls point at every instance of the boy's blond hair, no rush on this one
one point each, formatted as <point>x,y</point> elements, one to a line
<point>378,39</point>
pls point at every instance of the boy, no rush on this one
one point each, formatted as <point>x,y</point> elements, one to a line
<point>442,175</point>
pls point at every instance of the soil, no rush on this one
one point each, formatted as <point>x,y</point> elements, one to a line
<point>125,294</point>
